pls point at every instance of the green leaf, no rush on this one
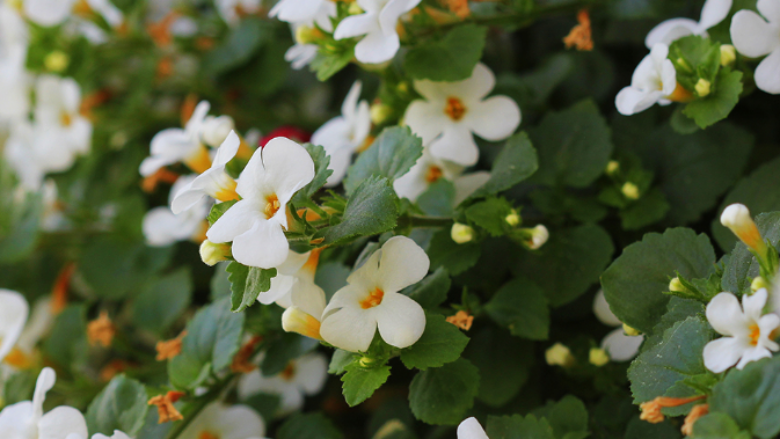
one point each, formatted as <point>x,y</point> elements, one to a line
<point>521,306</point>
<point>321,172</point>
<point>246,283</point>
<point>441,395</point>
<point>431,291</point>
<point>239,46</point>
<point>283,350</point>
<point>695,57</point>
<point>213,338</point>
<point>391,155</point>
<point>161,302</point>
<point>19,223</point>
<point>574,146</point>
<point>340,360</point>
<point>361,382</point>
<point>582,253</point>
<point>718,426</point>
<point>677,357</point>
<point>18,387</point>
<point>718,104</point>
<point>448,254</point>
<point>742,266</point>
<point>67,342</point>
<point>635,282</point>
<point>371,209</point>
<point>120,406</point>
<point>308,426</point>
<point>490,215</point>
<point>516,162</point>
<point>441,343</point>
<point>649,209</point>
<point>451,58</point>
<point>328,64</point>
<point>751,396</point>
<point>218,210</point>
<point>266,404</point>
<point>638,429</point>
<point>519,427</point>
<point>567,417</point>
<point>504,364</point>
<point>438,199</point>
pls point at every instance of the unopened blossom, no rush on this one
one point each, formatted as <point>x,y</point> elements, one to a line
<point>462,233</point>
<point>162,227</point>
<point>748,332</point>
<point>233,10</point>
<point>450,113</point>
<point>470,429</point>
<point>653,82</point>
<point>303,376</point>
<point>343,135</point>
<point>372,300</point>
<point>737,218</point>
<point>757,35</point>
<point>536,237</point>
<point>559,355</point>
<point>26,420</point>
<point>221,421</point>
<point>429,169</point>
<point>295,277</point>
<point>214,182</point>
<point>174,145</point>
<point>13,316</point>
<point>377,25</point>
<point>619,345</point>
<point>257,222</point>
<point>712,13</point>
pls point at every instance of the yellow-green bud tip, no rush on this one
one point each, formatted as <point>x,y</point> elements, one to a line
<point>56,61</point>
<point>559,355</point>
<point>703,87</point>
<point>758,284</point>
<point>676,286</point>
<point>307,35</point>
<point>461,233</point>
<point>354,9</point>
<point>380,113</point>
<point>612,167</point>
<point>212,253</point>
<point>630,331</point>
<point>513,219</point>
<point>630,191</point>
<point>598,357</point>
<point>728,54</point>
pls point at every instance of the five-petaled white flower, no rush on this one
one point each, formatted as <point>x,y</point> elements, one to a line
<point>117,435</point>
<point>257,222</point>
<point>429,170</point>
<point>452,111</point>
<point>343,135</point>
<point>305,12</point>
<point>378,24</point>
<point>619,345</point>
<point>162,227</point>
<point>372,300</point>
<point>654,80</point>
<point>748,331</point>
<point>303,376</point>
<point>13,316</point>
<point>57,109</point>
<point>220,421</point>
<point>470,429</point>
<point>175,145</point>
<point>25,420</point>
<point>755,36</point>
<point>712,13</point>
<point>294,283</point>
<point>214,182</point>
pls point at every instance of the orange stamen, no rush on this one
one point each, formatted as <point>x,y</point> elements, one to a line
<point>455,108</point>
<point>755,334</point>
<point>580,35</point>
<point>272,205</point>
<point>434,174</point>
<point>374,299</point>
<point>462,320</point>
<point>165,409</point>
<point>228,192</point>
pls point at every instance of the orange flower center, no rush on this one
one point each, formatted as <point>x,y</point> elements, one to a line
<point>207,435</point>
<point>680,94</point>
<point>228,191</point>
<point>755,333</point>
<point>199,161</point>
<point>18,359</point>
<point>434,174</point>
<point>374,299</point>
<point>454,108</point>
<point>272,205</point>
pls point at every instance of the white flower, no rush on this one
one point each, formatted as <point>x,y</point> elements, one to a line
<point>470,429</point>
<point>712,13</point>
<point>232,10</point>
<point>257,222</point>
<point>214,182</point>
<point>175,145</point>
<point>343,135</point>
<point>755,36</point>
<point>378,24</point>
<point>303,376</point>
<point>225,422</point>
<point>372,300</point>
<point>23,353</point>
<point>746,328</point>
<point>15,89</point>
<point>653,81</point>
<point>57,109</point>
<point>300,55</point>
<point>162,227</point>
<point>53,12</point>
<point>452,111</point>
<point>294,283</point>
<point>117,435</point>
<point>429,170</point>
<point>13,316</point>
<point>619,346</point>
<point>305,12</point>
<point>215,130</point>
<point>25,420</point>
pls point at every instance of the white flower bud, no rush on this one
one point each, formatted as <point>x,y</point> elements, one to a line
<point>630,190</point>
<point>539,236</point>
<point>728,54</point>
<point>758,284</point>
<point>559,355</point>
<point>300,322</point>
<point>676,286</point>
<point>215,130</point>
<point>703,87</point>
<point>737,218</point>
<point>212,253</point>
<point>598,357</point>
<point>56,61</point>
<point>380,113</point>
<point>630,331</point>
<point>612,167</point>
<point>513,218</point>
<point>461,233</point>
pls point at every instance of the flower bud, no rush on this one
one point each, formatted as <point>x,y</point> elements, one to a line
<point>728,54</point>
<point>212,253</point>
<point>354,9</point>
<point>559,355</point>
<point>676,286</point>
<point>461,233</point>
<point>631,332</point>
<point>380,113</point>
<point>307,35</point>
<point>513,219</point>
<point>56,61</point>
<point>612,167</point>
<point>737,218</point>
<point>215,130</point>
<point>630,191</point>
<point>598,357</point>
<point>539,236</point>
<point>296,320</point>
<point>703,87</point>
<point>402,87</point>
<point>758,284</point>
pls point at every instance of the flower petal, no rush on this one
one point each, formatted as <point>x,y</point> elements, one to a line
<point>621,347</point>
<point>767,73</point>
<point>402,263</point>
<point>753,305</point>
<point>753,354</point>
<point>311,372</point>
<point>62,422</point>
<point>237,220</point>
<point>426,119</point>
<point>723,353</point>
<point>478,85</point>
<point>495,118</point>
<point>356,25</point>
<point>340,160</point>
<point>767,325</point>
<point>48,12</point>
<point>713,12</point>
<point>770,9</point>
<point>45,382</point>
<point>227,150</point>
<point>603,312</point>
<point>631,100</point>
<point>388,16</point>
<point>281,286</point>
<point>345,324</point>
<point>377,47</point>
<point>287,167</point>
<point>725,315</point>
<point>401,320</point>
<point>350,103</point>
<point>309,297</point>
<point>13,315</point>
<point>16,420</point>
<point>465,185</point>
<point>232,422</point>
<point>752,35</point>
<point>670,30</point>
<point>264,245</point>
<point>470,429</point>
<point>456,145</point>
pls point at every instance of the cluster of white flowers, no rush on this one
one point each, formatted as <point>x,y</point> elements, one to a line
<point>303,376</point>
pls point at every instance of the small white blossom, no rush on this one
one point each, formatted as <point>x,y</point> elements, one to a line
<point>305,12</point>
<point>470,429</point>
<point>232,10</point>
<point>58,101</point>
<point>748,331</point>
<point>619,346</point>
<point>53,12</point>
<point>175,145</point>
<point>294,283</point>
<point>222,421</point>
<point>117,435</point>
<point>303,376</point>
<point>162,227</point>
<point>429,170</point>
<point>452,112</point>
<point>372,301</point>
<point>712,13</point>
<point>654,80</point>
<point>755,37</point>
<point>13,316</point>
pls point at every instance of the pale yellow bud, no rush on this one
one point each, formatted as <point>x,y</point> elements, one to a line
<point>630,331</point>
<point>758,284</point>
<point>56,61</point>
<point>300,322</point>
<point>559,355</point>
<point>391,428</point>
<point>728,54</point>
<point>598,357</point>
<point>612,167</point>
<point>737,218</point>
<point>354,9</point>
<point>703,87</point>
<point>539,236</point>
<point>630,190</point>
<point>676,286</point>
<point>307,35</point>
<point>461,233</point>
<point>380,113</point>
<point>513,218</point>
<point>211,253</point>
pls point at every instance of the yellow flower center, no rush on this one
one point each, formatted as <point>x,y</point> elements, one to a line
<point>454,108</point>
<point>228,191</point>
<point>199,161</point>
<point>755,334</point>
<point>272,205</point>
<point>374,299</point>
<point>65,119</point>
<point>434,174</point>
